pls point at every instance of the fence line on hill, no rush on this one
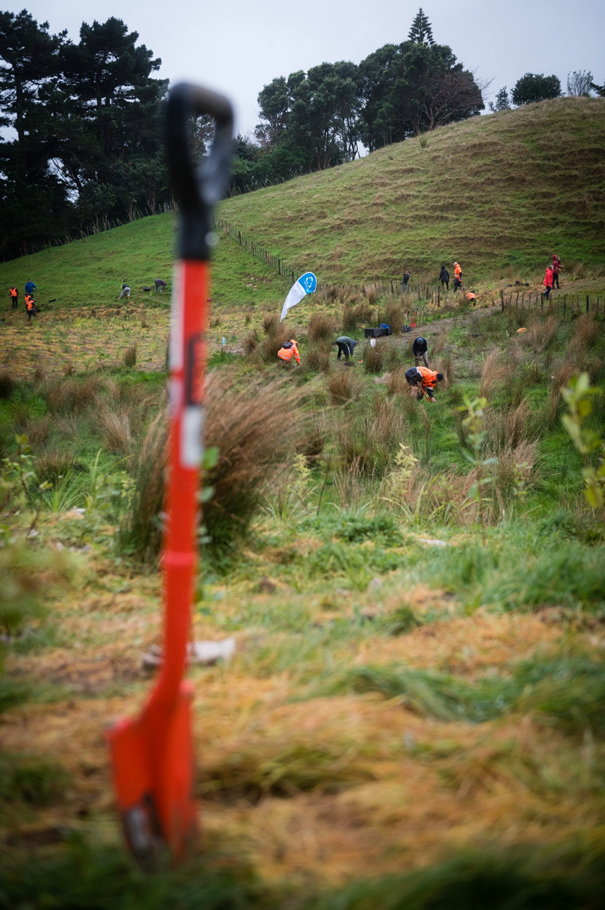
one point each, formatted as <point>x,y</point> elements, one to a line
<point>563,304</point>
<point>291,270</point>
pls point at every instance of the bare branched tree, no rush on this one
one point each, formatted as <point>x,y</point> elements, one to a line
<point>579,83</point>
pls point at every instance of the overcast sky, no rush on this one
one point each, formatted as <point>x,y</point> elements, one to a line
<point>238,46</point>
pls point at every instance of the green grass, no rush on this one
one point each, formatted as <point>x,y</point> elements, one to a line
<point>477,194</point>
<point>89,273</point>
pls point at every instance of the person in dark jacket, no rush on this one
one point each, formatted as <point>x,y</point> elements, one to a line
<point>444,278</point>
<point>404,281</point>
<point>30,287</point>
<point>345,346</point>
<point>420,347</point>
<point>556,268</point>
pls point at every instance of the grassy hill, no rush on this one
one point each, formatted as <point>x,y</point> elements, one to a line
<point>499,193</point>
<point>90,272</point>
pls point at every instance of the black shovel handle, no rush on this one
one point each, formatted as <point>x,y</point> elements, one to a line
<point>197,190</point>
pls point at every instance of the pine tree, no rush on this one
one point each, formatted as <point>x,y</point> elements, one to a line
<point>421,31</point>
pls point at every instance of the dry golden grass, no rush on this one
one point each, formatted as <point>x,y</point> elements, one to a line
<point>542,333</point>
<point>115,428</point>
<point>506,427</point>
<point>318,359</point>
<point>344,386</point>
<point>65,396</point>
<point>396,382</point>
<point>494,374</point>
<point>321,327</point>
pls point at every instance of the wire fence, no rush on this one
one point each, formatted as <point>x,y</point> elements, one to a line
<point>562,304</point>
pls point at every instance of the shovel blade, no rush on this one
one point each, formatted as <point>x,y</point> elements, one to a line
<point>153,777</point>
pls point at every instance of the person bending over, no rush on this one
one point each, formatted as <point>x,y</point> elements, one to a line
<point>424,380</point>
<point>345,346</point>
<point>289,350</point>
<point>420,349</point>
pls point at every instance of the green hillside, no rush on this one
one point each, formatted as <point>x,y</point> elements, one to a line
<point>90,272</point>
<point>496,192</point>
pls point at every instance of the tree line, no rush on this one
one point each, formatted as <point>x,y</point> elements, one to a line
<point>318,119</point>
<point>82,143</point>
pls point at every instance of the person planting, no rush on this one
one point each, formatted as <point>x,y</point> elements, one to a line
<point>345,346</point>
<point>424,380</point>
<point>420,347</point>
<point>288,350</point>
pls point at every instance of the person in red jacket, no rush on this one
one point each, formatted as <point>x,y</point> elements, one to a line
<point>424,380</point>
<point>288,350</point>
<point>556,268</point>
<point>548,279</point>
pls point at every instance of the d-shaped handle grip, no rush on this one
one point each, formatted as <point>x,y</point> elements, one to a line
<point>197,190</point>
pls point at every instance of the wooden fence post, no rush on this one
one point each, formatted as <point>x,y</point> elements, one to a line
<point>587,303</point>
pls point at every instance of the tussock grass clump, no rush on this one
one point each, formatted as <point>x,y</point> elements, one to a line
<point>344,386</point>
<point>586,335</point>
<point>321,328</point>
<point>559,379</point>
<point>318,359</point>
<point>494,373</point>
<point>541,334</point>
<point>54,464</point>
<point>446,366</point>
<point>142,533</point>
<point>253,430</point>
<point>7,385</point>
<point>396,382</point>
<point>251,342</point>
<point>115,428</point>
<point>69,395</point>
<point>394,315</point>
<point>424,498</point>
<point>514,471</point>
<point>373,357</point>
<point>356,315</point>
<point>270,323</point>
<point>275,337</point>
<point>368,442</point>
<point>507,427</point>
<point>37,429</point>
<point>130,356</point>
<point>439,343</point>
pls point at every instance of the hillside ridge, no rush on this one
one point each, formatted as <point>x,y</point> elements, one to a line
<point>497,192</point>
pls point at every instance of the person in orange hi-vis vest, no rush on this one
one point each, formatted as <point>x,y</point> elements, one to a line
<point>14,295</point>
<point>30,306</point>
<point>424,380</point>
<point>288,350</point>
<point>457,276</point>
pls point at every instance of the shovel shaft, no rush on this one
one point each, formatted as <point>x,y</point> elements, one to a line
<point>187,357</point>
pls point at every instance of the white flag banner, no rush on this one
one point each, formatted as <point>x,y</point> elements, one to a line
<point>306,284</point>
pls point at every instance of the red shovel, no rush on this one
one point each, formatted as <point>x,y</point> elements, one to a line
<point>152,755</point>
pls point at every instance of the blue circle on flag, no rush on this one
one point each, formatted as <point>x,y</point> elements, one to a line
<point>308,281</point>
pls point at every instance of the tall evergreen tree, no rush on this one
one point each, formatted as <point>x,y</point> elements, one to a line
<point>421,31</point>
